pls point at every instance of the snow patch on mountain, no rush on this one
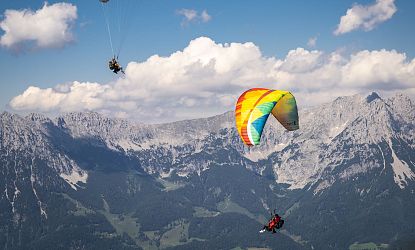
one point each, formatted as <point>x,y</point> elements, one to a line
<point>322,186</point>
<point>33,181</point>
<point>336,130</point>
<point>74,177</point>
<point>402,172</point>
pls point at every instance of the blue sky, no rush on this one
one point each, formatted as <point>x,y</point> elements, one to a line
<point>156,28</point>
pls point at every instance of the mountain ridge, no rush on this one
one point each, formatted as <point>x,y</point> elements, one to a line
<point>124,135</point>
<point>352,156</point>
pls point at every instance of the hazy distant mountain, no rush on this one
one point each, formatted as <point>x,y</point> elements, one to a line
<point>84,181</point>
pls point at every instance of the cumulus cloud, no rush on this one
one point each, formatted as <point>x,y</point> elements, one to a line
<point>366,17</point>
<point>190,15</point>
<point>68,97</point>
<point>48,27</point>
<point>206,78</point>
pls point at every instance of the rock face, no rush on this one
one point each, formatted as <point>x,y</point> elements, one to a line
<point>111,183</point>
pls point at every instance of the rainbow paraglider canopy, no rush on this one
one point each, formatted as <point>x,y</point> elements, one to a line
<point>255,105</point>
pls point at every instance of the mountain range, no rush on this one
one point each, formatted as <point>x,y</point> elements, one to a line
<point>344,180</point>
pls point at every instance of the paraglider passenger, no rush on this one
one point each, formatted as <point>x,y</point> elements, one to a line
<point>275,222</point>
<point>115,66</point>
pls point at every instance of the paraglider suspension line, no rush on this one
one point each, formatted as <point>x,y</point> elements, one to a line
<point>108,28</point>
<point>123,25</point>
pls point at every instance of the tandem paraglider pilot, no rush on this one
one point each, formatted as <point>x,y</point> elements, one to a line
<point>115,66</point>
<point>274,223</point>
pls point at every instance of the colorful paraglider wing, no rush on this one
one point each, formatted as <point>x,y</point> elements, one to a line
<point>286,112</point>
<point>255,105</point>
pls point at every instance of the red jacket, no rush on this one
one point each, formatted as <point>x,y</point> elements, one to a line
<point>274,222</point>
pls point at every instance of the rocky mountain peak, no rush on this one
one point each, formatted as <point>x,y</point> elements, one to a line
<point>372,96</point>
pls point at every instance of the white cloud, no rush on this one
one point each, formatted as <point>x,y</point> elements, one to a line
<point>206,78</point>
<point>191,15</point>
<point>47,27</point>
<point>377,69</point>
<point>69,97</point>
<point>366,17</point>
<point>205,16</point>
<point>301,61</point>
<point>312,42</point>
<point>188,14</point>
